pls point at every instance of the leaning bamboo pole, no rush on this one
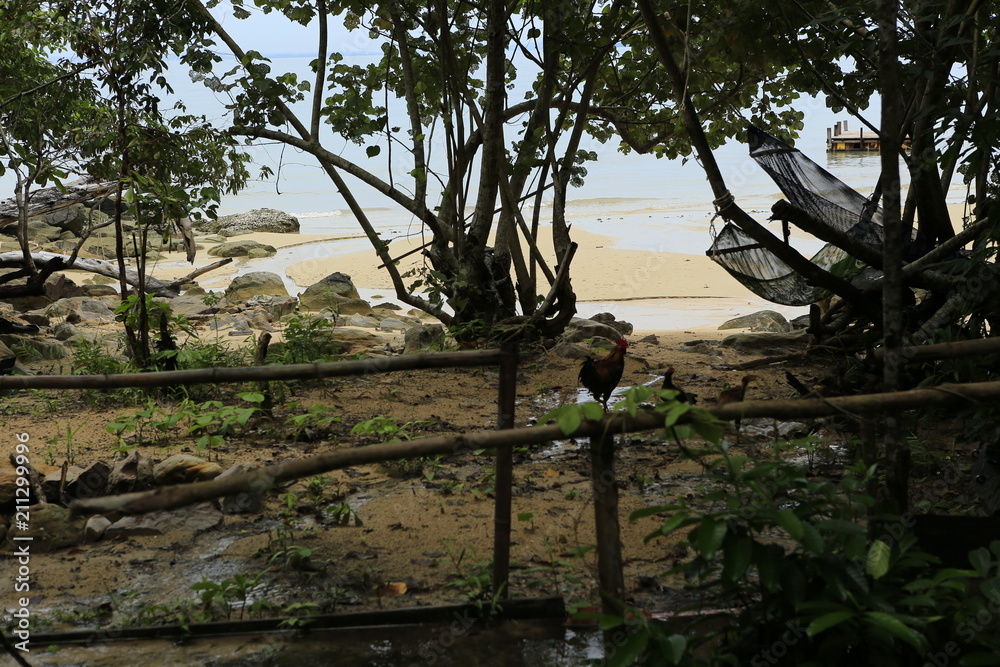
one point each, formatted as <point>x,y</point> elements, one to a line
<point>312,371</point>
<point>172,497</point>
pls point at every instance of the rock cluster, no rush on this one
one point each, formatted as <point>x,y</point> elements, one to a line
<point>52,527</point>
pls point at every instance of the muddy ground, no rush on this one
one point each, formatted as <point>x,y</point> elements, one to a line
<point>381,536</point>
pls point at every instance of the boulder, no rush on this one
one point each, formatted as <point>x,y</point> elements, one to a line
<point>581,329</point>
<point>40,231</point>
<point>257,220</point>
<point>43,348</point>
<point>570,350</point>
<point>393,324</point>
<point>95,528</point>
<point>75,218</point>
<point>255,283</point>
<point>622,327</point>
<point>242,248</point>
<point>244,502</point>
<point>420,338</point>
<point>768,343</point>
<point>51,527</point>
<point>764,320</point>
<point>275,306</point>
<point>363,321</point>
<point>329,292</point>
<point>184,468</point>
<point>88,308</point>
<point>89,482</point>
<point>133,473</point>
<point>194,518</point>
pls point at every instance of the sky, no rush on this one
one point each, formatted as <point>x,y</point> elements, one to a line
<point>275,36</point>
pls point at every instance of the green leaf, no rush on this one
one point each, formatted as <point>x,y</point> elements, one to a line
<point>675,647</point>
<point>792,524</point>
<point>672,524</point>
<point>738,551</point>
<point>627,655</point>
<point>828,621</point>
<point>811,539</point>
<point>650,511</point>
<point>570,420</point>
<point>592,411</point>
<point>897,628</point>
<point>373,151</point>
<point>980,560</point>
<point>708,536</point>
<point>877,563</point>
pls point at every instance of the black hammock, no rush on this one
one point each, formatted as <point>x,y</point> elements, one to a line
<point>809,187</point>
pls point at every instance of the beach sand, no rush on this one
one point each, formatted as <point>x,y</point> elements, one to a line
<point>657,291</point>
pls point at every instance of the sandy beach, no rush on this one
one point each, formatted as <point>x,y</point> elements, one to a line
<point>657,291</point>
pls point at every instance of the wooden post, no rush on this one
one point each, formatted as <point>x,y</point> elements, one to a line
<point>611,579</point>
<point>503,482</point>
<point>260,359</point>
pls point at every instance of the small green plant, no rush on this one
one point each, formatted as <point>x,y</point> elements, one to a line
<point>212,420</point>
<point>293,556</point>
<point>341,514</point>
<point>68,441</point>
<point>295,613</point>
<point>471,574</point>
<point>308,340</point>
<point>313,425</point>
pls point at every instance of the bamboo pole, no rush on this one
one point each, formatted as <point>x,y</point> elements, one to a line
<point>171,497</point>
<point>313,371</point>
<point>611,578</point>
<point>963,348</point>
<point>504,479</point>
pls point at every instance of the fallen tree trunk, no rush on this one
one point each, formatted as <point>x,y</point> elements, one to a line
<point>56,261</point>
<point>45,200</point>
<point>258,481</point>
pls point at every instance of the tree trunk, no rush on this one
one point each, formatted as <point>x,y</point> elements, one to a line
<point>897,448</point>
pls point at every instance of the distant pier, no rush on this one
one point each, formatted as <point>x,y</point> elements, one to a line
<point>839,138</point>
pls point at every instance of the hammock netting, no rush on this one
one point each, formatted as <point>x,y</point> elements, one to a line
<point>813,189</point>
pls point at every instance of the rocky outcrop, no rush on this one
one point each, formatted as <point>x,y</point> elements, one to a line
<point>423,337</point>
<point>245,248</point>
<point>253,284</point>
<point>764,320</point>
<point>257,220</point>
<point>768,343</point>
<point>580,329</point>
<point>331,292</point>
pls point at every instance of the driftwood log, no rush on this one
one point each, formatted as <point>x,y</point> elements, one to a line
<point>45,200</point>
<point>155,286</point>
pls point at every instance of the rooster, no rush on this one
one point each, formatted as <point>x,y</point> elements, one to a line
<point>602,376</point>
<point>736,395</point>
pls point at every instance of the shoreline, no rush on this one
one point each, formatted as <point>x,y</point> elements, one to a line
<point>655,290</point>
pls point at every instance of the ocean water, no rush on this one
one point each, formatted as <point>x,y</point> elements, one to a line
<point>644,202</point>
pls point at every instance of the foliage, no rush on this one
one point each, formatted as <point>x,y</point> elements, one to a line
<point>315,424</point>
<point>697,421</point>
<point>791,554</point>
<point>307,340</point>
<point>211,421</point>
